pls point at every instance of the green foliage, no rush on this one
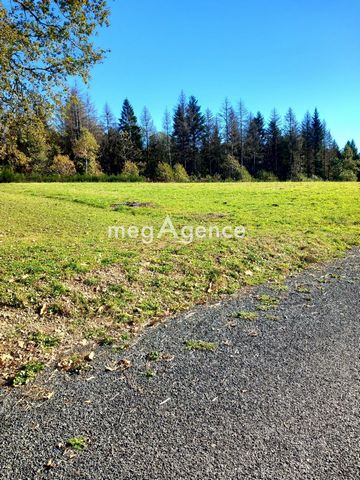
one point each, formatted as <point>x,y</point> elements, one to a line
<point>85,150</point>
<point>231,168</point>
<point>180,174</point>
<point>27,373</point>
<point>247,315</point>
<point>77,443</point>
<point>44,42</point>
<point>265,176</point>
<point>45,341</point>
<point>165,173</point>
<point>131,169</point>
<point>128,124</point>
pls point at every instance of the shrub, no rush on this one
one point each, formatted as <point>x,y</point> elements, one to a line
<point>180,174</point>
<point>348,176</point>
<point>131,169</point>
<point>62,165</point>
<point>164,172</point>
<point>265,176</point>
<point>245,175</point>
<point>231,168</point>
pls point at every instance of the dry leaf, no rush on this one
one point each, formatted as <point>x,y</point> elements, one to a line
<point>90,357</point>
<point>43,309</point>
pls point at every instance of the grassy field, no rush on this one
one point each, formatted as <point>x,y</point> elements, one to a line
<point>64,283</point>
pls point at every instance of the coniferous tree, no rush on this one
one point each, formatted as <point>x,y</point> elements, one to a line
<point>292,141</point>
<point>128,124</point>
<point>167,131</point>
<point>195,127</point>
<point>317,138</point>
<point>212,150</point>
<point>307,145</point>
<point>108,119</point>
<point>255,142</point>
<point>180,136</point>
<point>147,129</point>
<point>234,134</point>
<point>225,120</point>
<point>273,144</point>
<point>243,121</point>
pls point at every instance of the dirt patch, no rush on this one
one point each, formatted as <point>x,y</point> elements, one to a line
<point>116,206</point>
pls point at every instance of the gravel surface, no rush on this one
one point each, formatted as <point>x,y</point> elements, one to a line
<point>277,399</point>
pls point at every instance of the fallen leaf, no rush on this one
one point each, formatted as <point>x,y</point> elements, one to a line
<point>43,309</point>
<point>90,357</point>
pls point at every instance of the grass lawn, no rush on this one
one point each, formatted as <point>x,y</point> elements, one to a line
<point>64,283</point>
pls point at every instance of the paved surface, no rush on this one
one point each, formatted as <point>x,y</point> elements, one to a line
<point>280,405</point>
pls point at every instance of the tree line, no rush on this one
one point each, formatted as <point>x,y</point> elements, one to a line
<point>233,144</point>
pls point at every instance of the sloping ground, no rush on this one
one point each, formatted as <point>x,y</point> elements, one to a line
<point>277,398</point>
<point>64,282</point>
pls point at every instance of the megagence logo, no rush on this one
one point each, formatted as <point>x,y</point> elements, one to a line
<point>186,234</point>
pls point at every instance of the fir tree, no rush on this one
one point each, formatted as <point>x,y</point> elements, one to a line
<point>128,124</point>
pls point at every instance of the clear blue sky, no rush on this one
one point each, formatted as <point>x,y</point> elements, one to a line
<point>278,53</point>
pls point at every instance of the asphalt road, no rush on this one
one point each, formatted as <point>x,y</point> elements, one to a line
<point>278,399</point>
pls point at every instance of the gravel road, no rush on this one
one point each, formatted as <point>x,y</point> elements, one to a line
<point>277,399</point>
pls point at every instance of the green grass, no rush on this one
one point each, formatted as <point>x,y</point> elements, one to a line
<point>56,256</point>
<point>244,315</point>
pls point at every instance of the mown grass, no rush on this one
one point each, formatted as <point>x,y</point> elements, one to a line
<point>61,276</point>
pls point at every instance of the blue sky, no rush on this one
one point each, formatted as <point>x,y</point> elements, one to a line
<point>277,53</point>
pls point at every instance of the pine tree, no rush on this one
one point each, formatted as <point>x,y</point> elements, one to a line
<point>292,141</point>
<point>307,146</point>
<point>180,136</point>
<point>108,119</point>
<point>167,131</point>
<point>243,122</point>
<point>317,139</point>
<point>128,124</point>
<point>147,129</point>
<point>225,120</point>
<point>273,144</point>
<point>255,141</point>
<point>234,134</point>
<point>195,127</point>
<point>212,149</point>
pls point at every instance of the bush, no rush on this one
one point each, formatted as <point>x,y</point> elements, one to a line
<point>180,174</point>
<point>232,170</point>
<point>348,176</point>
<point>131,169</point>
<point>245,175</point>
<point>62,165</point>
<point>164,172</point>
<point>7,175</point>
<point>265,176</point>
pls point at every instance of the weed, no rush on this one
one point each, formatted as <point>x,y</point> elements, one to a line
<point>247,315</point>
<point>77,443</point>
<point>27,373</point>
<point>45,341</point>
<point>200,345</point>
<point>273,318</point>
<point>302,289</point>
<point>153,356</point>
